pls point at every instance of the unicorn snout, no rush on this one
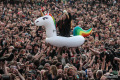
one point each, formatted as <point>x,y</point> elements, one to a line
<point>37,21</point>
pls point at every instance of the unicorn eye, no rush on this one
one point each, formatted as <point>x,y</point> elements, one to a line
<point>37,21</point>
<point>45,18</point>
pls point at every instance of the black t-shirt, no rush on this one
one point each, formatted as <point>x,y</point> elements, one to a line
<point>53,53</point>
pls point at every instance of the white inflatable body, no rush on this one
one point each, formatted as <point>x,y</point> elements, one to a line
<point>60,41</point>
<point>53,39</point>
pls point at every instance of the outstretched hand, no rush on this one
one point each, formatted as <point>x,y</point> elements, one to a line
<point>5,63</point>
<point>94,51</point>
<point>16,70</point>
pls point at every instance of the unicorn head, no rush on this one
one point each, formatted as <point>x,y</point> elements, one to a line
<point>44,20</point>
<point>49,23</point>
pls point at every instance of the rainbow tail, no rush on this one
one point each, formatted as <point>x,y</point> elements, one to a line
<point>79,31</point>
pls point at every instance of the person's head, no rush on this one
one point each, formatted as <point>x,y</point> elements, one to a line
<point>74,69</point>
<point>99,74</point>
<point>22,51</point>
<point>65,15</point>
<point>30,75</point>
<point>29,57</point>
<point>82,74</point>
<point>36,47</point>
<point>59,72</point>
<point>14,51</point>
<point>65,55</point>
<point>11,48</point>
<point>84,57</point>
<point>17,44</point>
<point>29,47</point>
<point>10,11</point>
<point>36,63</point>
<point>53,70</point>
<point>47,65</point>
<point>3,24</point>
<point>102,47</point>
<point>65,69</point>
<point>59,65</point>
<point>90,38</point>
<point>112,42</point>
<point>70,71</point>
<point>40,67</point>
<point>89,73</point>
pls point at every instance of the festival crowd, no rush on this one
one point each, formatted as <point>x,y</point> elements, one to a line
<point>24,54</point>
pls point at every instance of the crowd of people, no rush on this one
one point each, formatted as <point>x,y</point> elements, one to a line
<point>24,55</point>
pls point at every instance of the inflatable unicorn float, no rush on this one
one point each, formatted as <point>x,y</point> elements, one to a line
<point>76,40</point>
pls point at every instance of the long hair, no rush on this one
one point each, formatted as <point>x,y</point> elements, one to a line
<point>67,15</point>
<point>53,70</point>
<point>69,70</point>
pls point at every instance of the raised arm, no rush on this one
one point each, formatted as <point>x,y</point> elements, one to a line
<point>49,50</point>
<point>3,51</point>
<point>5,68</point>
<point>81,64</point>
<point>38,55</point>
<point>21,77</point>
<point>87,64</point>
<point>94,51</point>
<point>103,64</point>
<point>92,61</point>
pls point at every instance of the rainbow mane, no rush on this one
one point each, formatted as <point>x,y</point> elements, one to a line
<point>79,31</point>
<point>52,18</point>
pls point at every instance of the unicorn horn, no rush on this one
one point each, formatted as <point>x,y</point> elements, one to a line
<point>41,13</point>
<point>79,31</point>
<point>48,13</point>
